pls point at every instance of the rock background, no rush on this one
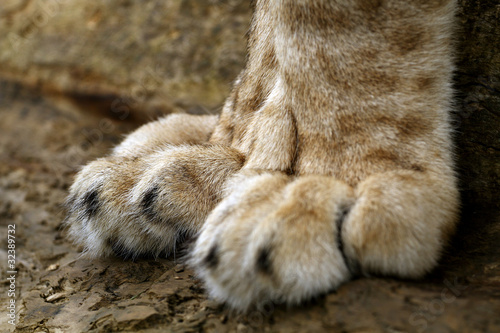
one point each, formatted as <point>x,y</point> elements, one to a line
<point>75,76</point>
<point>155,55</point>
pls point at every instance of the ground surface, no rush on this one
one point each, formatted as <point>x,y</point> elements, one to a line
<point>99,70</point>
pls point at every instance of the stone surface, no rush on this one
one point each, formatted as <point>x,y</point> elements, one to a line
<point>89,72</point>
<point>155,56</point>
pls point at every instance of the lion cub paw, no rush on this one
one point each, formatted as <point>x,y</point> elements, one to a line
<point>274,237</point>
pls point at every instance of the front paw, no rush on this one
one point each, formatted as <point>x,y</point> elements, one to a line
<point>274,238</point>
<point>144,205</point>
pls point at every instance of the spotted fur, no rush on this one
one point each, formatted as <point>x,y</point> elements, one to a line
<point>332,157</point>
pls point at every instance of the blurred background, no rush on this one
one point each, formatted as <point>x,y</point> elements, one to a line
<point>75,76</point>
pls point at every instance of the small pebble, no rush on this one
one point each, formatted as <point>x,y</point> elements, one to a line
<point>241,328</point>
<point>53,267</point>
<point>55,297</point>
<point>179,268</point>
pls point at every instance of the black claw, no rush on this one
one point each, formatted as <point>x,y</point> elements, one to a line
<point>91,203</point>
<point>212,259</point>
<point>148,203</point>
<point>264,264</point>
<point>148,208</point>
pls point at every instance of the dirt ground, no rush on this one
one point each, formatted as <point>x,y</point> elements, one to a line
<point>43,141</point>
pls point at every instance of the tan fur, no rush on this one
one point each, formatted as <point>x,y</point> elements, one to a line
<point>332,156</point>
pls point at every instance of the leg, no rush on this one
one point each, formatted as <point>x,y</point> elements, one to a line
<point>150,193</point>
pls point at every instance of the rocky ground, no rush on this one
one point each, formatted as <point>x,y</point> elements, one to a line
<point>59,110</point>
